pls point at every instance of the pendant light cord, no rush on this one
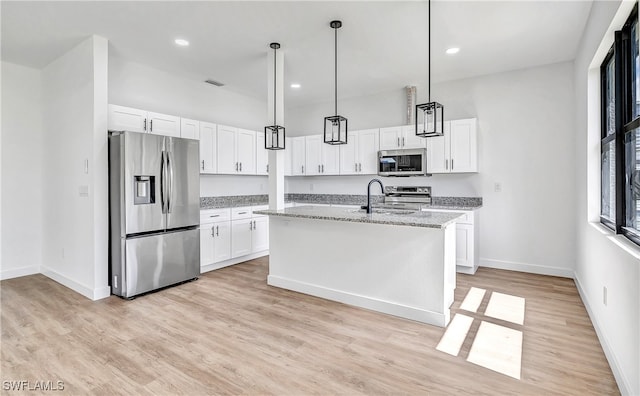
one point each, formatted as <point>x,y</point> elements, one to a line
<point>275,87</point>
<point>429,46</point>
<point>335,58</point>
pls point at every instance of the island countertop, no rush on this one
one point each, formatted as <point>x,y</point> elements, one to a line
<point>431,219</point>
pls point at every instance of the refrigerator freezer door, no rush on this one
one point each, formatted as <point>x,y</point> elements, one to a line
<point>156,261</point>
<point>142,159</point>
<point>184,182</point>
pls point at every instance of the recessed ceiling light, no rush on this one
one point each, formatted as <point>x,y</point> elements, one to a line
<point>295,85</point>
<point>182,42</point>
<point>453,50</point>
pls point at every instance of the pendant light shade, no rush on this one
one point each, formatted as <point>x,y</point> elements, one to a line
<point>430,115</point>
<point>274,135</point>
<point>335,127</point>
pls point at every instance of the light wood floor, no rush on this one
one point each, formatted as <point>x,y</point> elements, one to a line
<point>230,333</point>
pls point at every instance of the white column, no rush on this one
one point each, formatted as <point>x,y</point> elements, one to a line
<point>276,157</point>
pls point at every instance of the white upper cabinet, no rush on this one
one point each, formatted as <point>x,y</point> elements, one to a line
<point>246,151</point>
<point>313,154</point>
<point>226,149</point>
<point>464,145</point>
<point>262,155</point>
<point>122,118</point>
<point>360,154</point>
<point>410,140</point>
<point>298,156</point>
<point>400,137</point>
<point>321,158</point>
<point>208,144</point>
<point>163,124</point>
<point>189,129</point>
<point>456,151</point>
<point>236,150</point>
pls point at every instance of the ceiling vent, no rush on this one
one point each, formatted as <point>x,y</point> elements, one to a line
<point>214,82</point>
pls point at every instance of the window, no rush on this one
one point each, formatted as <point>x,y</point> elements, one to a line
<point>620,137</point>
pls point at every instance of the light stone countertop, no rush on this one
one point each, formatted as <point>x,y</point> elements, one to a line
<point>412,219</point>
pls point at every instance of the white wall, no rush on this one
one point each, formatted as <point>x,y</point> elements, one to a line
<point>22,152</point>
<point>603,260</point>
<point>136,85</point>
<point>74,226</point>
<point>526,144</point>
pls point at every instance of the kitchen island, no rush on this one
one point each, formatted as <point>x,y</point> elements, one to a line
<point>399,263</point>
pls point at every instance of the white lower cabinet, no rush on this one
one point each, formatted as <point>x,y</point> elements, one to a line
<point>467,257</point>
<point>241,237</point>
<point>215,236</point>
<point>260,234</point>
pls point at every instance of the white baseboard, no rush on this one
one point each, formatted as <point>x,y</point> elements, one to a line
<point>237,260</point>
<point>525,267</point>
<point>92,294</point>
<point>622,381</point>
<point>18,272</point>
<point>403,311</point>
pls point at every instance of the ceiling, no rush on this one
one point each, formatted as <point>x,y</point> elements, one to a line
<point>382,46</point>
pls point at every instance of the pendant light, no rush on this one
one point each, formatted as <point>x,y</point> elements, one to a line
<point>274,134</point>
<point>335,127</point>
<point>430,115</point>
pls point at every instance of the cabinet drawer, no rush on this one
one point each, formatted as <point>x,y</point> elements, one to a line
<point>213,215</point>
<point>243,212</point>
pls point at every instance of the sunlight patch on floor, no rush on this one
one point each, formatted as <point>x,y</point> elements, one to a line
<point>506,307</point>
<point>455,334</point>
<point>497,348</point>
<point>473,299</point>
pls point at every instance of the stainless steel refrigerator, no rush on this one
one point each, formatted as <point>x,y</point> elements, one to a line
<point>154,194</point>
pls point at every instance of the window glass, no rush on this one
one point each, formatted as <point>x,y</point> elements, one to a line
<point>610,98</point>
<point>635,72</point>
<point>608,180</point>
<point>632,171</point>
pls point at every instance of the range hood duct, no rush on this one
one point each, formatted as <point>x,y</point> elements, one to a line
<point>411,104</point>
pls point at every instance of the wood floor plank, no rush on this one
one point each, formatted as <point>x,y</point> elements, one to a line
<point>231,333</point>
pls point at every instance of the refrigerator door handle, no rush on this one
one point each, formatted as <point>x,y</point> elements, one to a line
<point>163,182</point>
<point>170,183</point>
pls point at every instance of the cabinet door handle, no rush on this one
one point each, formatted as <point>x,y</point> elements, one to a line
<point>318,168</point>
<point>241,167</point>
<point>202,164</point>
<point>446,164</point>
<point>242,212</point>
<point>322,168</point>
<point>356,167</point>
<point>151,126</point>
<point>214,216</point>
<point>451,163</point>
<point>302,168</point>
<point>217,230</point>
<point>403,142</point>
<point>145,124</point>
<point>251,225</point>
<point>360,166</point>
<point>254,224</point>
<point>236,166</point>
<point>398,142</point>
<point>212,228</point>
<point>267,168</point>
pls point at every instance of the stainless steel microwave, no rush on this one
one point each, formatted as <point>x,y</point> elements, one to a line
<point>407,162</point>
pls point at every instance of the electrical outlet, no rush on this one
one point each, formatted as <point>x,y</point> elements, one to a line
<point>497,187</point>
<point>604,295</point>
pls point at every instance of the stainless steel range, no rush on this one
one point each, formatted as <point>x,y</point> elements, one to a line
<point>407,197</point>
